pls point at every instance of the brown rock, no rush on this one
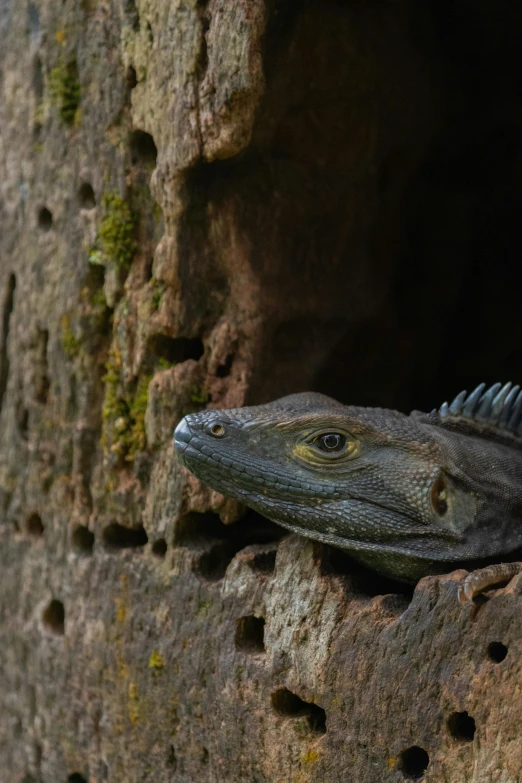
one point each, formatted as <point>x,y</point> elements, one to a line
<point>211,204</point>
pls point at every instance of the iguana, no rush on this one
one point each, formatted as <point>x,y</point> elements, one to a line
<point>407,496</point>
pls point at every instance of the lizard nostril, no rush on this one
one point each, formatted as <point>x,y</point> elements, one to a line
<point>217,430</point>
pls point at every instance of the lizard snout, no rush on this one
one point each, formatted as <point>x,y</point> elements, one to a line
<point>182,436</point>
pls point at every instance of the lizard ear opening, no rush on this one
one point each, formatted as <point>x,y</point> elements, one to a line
<point>439,496</point>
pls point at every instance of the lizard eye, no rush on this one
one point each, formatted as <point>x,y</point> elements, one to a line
<point>439,496</point>
<point>327,449</point>
<point>217,430</point>
<point>331,442</point>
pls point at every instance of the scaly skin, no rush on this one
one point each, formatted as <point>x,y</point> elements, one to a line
<point>405,495</point>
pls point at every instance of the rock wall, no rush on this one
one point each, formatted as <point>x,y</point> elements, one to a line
<point>216,202</point>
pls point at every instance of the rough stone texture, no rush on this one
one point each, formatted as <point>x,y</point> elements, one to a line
<point>212,203</point>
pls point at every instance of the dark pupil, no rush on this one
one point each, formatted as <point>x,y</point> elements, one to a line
<point>332,442</point>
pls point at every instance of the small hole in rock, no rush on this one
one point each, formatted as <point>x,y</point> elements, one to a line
<point>461,726</point>
<point>250,633</point>
<point>159,547</point>
<point>38,80</point>
<point>86,196</point>
<point>289,705</point>
<point>82,539</point>
<point>45,219</point>
<point>42,383</point>
<point>143,148</point>
<point>223,371</point>
<point>22,419</point>
<point>497,651</point>
<point>194,528</point>
<point>117,536</point>
<point>413,762</point>
<point>175,349</point>
<point>172,761</point>
<point>53,618</point>
<point>131,77</point>
<point>264,562</point>
<point>212,565</point>
<point>76,778</point>
<point>34,525</point>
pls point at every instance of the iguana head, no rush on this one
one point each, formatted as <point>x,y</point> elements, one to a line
<point>372,481</point>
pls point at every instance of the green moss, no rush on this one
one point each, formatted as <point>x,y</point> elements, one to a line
<point>157,213</point>
<point>137,435</point>
<point>156,660</point>
<point>97,298</point>
<point>115,243</point>
<point>113,405</point>
<point>164,364</point>
<point>204,608</point>
<point>70,343</point>
<point>123,413</point>
<point>64,90</point>
<point>198,396</point>
<point>158,289</point>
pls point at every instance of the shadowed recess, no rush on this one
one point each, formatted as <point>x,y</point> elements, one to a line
<point>42,383</point>
<point>172,760</point>
<point>175,349</point>
<point>264,562</point>
<point>86,197</point>
<point>116,536</point>
<point>349,214</point>
<point>53,617</point>
<point>143,148</point>
<point>461,726</point>
<point>159,548</point>
<point>82,539</point>
<point>34,525</point>
<point>497,651</point>
<point>213,564</point>
<point>218,543</point>
<point>289,705</point>
<point>131,77</point>
<point>360,580</point>
<point>6,322</point>
<point>413,762</point>
<point>250,634</point>
<point>45,219</point>
<point>75,777</point>
<point>37,78</point>
<point>223,371</point>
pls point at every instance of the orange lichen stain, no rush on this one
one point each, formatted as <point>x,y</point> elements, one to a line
<point>392,762</point>
<point>60,36</point>
<point>123,669</point>
<point>133,704</point>
<point>310,757</point>
<point>121,610</point>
